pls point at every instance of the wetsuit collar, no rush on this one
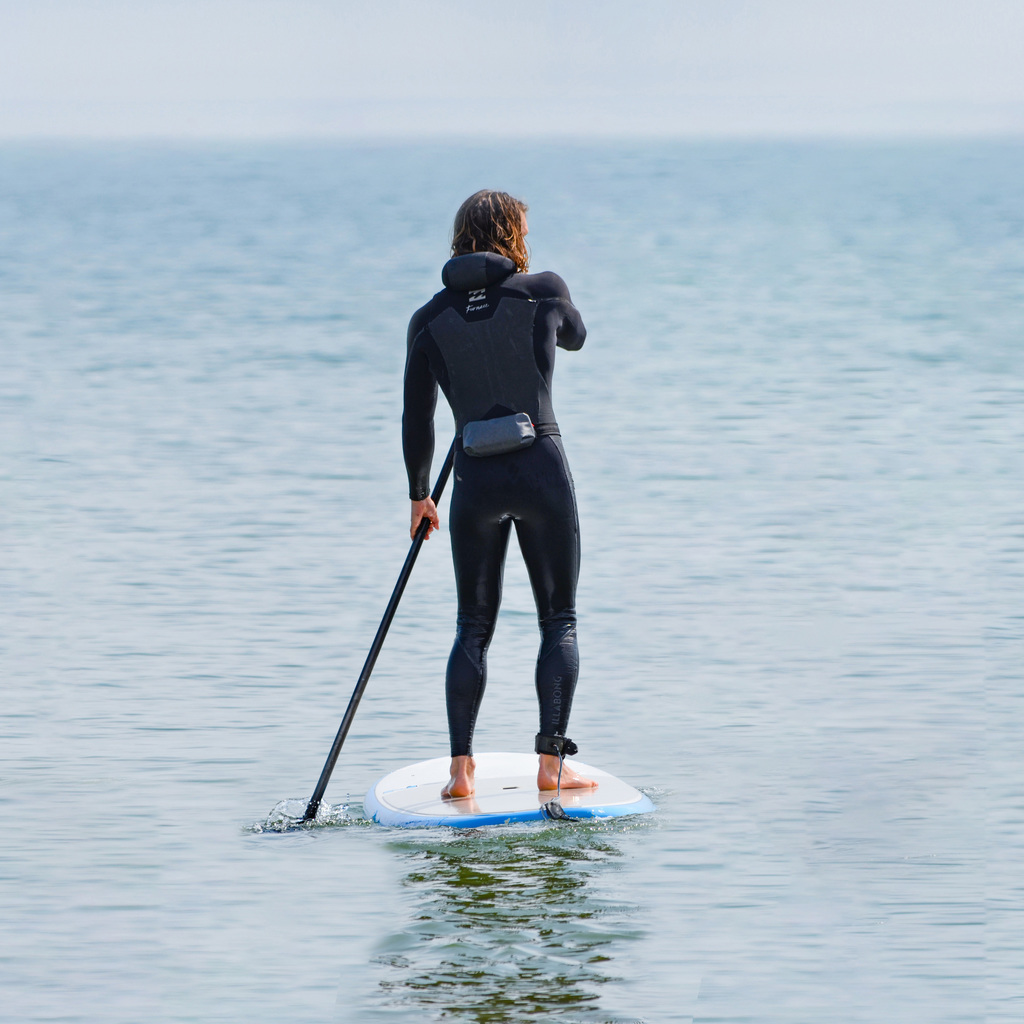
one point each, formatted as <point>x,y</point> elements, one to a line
<point>476,270</point>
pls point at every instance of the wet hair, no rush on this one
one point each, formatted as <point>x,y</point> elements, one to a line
<point>491,221</point>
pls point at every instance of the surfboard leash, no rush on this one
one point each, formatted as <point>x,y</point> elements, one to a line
<point>560,745</point>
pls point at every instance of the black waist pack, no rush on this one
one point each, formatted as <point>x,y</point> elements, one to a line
<point>498,436</point>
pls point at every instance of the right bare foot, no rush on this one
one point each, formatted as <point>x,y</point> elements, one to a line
<point>547,775</point>
<point>462,781</point>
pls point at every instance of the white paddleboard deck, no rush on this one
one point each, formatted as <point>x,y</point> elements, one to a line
<point>506,790</point>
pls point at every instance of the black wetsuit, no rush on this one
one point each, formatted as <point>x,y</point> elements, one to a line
<point>488,339</point>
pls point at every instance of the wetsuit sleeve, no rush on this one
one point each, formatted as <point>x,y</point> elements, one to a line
<point>570,332</point>
<point>418,414</point>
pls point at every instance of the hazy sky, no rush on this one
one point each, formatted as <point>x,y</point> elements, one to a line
<point>395,67</point>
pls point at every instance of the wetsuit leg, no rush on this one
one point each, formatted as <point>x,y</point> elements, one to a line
<point>479,535</point>
<point>548,533</point>
<point>533,488</point>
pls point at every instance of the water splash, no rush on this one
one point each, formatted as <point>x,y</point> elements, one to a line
<point>287,816</point>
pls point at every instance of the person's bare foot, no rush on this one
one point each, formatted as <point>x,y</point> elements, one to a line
<point>547,775</point>
<point>461,782</point>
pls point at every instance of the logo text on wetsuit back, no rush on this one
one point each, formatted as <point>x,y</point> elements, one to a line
<point>476,296</point>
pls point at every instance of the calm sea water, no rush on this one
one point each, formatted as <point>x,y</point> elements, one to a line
<point>796,431</point>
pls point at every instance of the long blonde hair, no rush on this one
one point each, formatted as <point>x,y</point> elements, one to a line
<point>491,221</point>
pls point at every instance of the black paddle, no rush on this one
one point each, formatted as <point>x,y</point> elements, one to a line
<point>378,642</point>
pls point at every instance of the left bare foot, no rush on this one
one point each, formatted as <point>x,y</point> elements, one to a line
<point>547,775</point>
<point>462,782</point>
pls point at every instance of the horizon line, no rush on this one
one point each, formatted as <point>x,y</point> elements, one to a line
<point>542,135</point>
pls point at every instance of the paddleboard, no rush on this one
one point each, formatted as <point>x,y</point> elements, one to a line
<point>506,790</point>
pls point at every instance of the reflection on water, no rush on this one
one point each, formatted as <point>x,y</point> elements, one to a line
<point>507,925</point>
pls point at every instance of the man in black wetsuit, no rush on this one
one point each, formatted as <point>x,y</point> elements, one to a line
<point>488,340</point>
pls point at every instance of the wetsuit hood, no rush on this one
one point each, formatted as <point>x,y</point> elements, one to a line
<point>476,270</point>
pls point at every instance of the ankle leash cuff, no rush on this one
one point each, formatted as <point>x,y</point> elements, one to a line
<point>560,746</point>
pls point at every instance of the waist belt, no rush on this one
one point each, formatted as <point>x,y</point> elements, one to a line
<point>540,429</point>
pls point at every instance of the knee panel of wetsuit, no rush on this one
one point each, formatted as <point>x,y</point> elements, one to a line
<point>474,632</point>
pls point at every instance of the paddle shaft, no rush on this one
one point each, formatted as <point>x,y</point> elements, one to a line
<point>378,642</point>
